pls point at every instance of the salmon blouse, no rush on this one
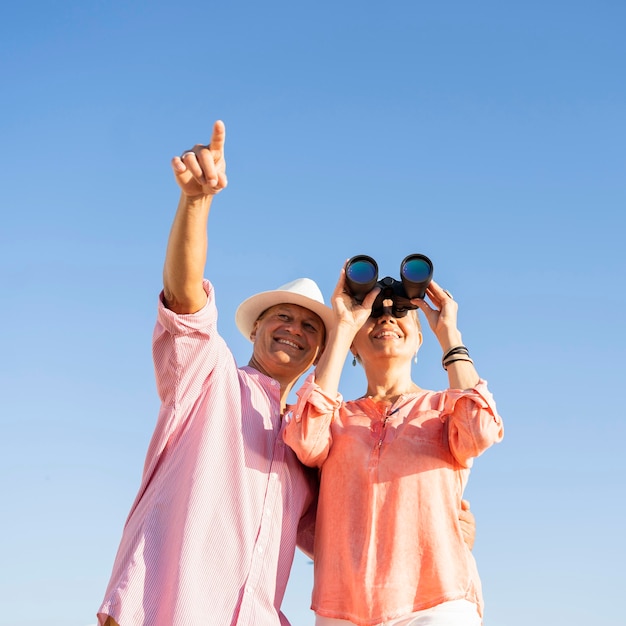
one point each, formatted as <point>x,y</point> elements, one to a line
<point>388,540</point>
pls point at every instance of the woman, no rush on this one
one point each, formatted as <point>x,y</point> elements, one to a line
<point>394,463</point>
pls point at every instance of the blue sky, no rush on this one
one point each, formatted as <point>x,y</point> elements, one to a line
<point>488,135</point>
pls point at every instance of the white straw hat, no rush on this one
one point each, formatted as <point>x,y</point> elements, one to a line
<point>302,291</point>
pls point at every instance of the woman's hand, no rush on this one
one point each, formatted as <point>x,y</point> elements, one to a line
<point>348,312</point>
<point>350,316</point>
<point>442,318</point>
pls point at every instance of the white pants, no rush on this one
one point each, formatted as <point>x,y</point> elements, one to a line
<point>454,613</point>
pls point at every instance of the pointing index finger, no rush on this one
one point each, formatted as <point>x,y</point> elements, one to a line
<point>218,137</point>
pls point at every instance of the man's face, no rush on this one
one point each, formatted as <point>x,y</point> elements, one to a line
<point>288,339</point>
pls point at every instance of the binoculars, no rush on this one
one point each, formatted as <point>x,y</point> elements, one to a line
<point>416,272</point>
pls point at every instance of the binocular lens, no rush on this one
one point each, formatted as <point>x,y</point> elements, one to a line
<point>417,269</point>
<point>361,276</point>
<point>416,272</point>
<point>362,271</point>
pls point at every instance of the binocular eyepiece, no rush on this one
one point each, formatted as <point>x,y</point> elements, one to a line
<point>416,272</point>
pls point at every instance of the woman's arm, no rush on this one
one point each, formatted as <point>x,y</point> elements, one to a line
<point>443,322</point>
<point>308,432</point>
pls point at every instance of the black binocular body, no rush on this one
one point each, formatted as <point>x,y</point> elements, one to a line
<point>416,272</point>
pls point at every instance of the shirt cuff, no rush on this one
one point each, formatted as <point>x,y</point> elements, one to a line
<point>178,324</point>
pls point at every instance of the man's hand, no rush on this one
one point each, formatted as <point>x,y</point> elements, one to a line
<point>201,171</point>
<point>468,524</point>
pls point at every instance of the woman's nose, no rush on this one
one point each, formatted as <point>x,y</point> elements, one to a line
<point>387,315</point>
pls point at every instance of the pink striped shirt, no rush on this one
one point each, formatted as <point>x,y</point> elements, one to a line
<point>211,536</point>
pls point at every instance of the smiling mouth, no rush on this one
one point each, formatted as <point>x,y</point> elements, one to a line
<point>386,333</point>
<point>286,342</point>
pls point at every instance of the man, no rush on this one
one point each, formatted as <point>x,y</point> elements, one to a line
<point>211,536</point>
<point>212,533</point>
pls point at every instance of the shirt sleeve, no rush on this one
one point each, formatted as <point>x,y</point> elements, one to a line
<point>184,350</point>
<point>308,431</point>
<point>473,421</point>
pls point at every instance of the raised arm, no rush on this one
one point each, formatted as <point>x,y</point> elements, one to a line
<point>308,433</point>
<point>443,322</point>
<point>200,174</point>
<point>350,316</point>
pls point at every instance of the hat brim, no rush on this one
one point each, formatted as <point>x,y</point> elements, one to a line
<point>249,310</point>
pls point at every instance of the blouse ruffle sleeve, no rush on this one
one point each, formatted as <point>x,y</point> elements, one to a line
<point>308,430</point>
<point>473,421</point>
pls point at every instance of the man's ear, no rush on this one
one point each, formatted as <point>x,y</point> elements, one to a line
<point>253,331</point>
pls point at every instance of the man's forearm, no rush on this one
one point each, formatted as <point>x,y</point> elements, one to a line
<point>185,258</point>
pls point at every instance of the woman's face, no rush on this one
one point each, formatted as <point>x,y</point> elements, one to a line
<point>387,336</point>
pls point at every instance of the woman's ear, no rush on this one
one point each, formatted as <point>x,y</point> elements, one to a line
<point>355,355</point>
<point>419,328</point>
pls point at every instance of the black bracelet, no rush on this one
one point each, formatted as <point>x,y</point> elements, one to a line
<point>455,350</point>
<point>460,358</point>
<point>460,352</point>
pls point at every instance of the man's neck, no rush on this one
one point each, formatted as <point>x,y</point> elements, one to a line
<point>286,382</point>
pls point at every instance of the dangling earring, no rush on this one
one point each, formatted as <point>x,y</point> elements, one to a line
<point>353,360</point>
<point>415,358</point>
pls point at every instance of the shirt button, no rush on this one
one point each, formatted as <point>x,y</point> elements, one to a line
<point>260,549</point>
